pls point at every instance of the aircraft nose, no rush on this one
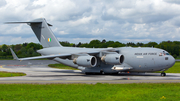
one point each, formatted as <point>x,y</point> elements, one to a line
<point>172,61</point>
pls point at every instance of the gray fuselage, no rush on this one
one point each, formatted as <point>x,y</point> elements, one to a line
<point>138,59</point>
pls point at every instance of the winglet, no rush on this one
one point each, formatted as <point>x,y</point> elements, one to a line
<point>14,55</point>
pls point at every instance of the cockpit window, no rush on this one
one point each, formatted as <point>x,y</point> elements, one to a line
<point>163,53</point>
<point>167,54</point>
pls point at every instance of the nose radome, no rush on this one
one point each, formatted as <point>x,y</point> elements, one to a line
<point>172,61</point>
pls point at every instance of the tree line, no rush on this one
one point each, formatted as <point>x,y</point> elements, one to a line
<point>29,49</point>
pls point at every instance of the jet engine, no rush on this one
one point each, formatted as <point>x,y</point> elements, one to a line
<point>86,61</point>
<point>114,59</point>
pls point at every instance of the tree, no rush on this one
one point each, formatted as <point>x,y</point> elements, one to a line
<point>65,43</point>
<point>79,44</point>
<point>23,49</point>
<point>103,41</point>
<point>4,47</point>
<point>117,44</point>
<point>94,43</point>
<point>151,44</point>
<point>30,51</point>
<point>17,47</point>
<point>131,44</point>
<point>109,43</point>
<point>24,44</point>
<point>139,44</point>
<point>84,45</point>
<point>34,46</point>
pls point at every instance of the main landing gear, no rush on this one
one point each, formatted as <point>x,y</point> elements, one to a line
<point>102,72</point>
<point>163,74</point>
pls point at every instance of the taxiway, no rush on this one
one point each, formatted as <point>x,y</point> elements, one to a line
<point>38,72</point>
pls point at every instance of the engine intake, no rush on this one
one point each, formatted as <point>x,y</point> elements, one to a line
<point>114,59</point>
<point>86,61</point>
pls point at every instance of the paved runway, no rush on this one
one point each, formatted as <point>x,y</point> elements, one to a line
<point>38,72</point>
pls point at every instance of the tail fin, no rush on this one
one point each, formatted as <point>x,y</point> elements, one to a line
<point>43,32</point>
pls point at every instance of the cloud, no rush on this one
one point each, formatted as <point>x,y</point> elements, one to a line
<point>2,3</point>
<point>83,20</point>
<point>9,40</point>
<point>141,11</point>
<point>173,1</point>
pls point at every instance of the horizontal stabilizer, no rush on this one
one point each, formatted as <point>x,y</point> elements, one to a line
<point>20,22</point>
<point>42,31</point>
<point>26,23</point>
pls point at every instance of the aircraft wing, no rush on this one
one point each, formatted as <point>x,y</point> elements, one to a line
<point>38,57</point>
<point>52,56</point>
<point>64,55</point>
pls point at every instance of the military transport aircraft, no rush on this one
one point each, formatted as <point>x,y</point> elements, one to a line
<point>98,60</point>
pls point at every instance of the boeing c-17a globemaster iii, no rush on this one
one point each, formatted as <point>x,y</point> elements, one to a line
<point>98,60</point>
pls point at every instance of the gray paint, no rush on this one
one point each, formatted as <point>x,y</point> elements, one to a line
<point>42,31</point>
<point>139,63</point>
<point>135,59</point>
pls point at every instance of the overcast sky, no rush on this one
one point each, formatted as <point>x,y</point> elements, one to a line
<point>84,20</point>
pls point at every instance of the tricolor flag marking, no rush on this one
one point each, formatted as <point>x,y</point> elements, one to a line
<point>49,39</point>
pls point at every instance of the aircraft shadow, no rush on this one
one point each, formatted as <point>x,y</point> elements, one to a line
<point>72,73</point>
<point>77,74</point>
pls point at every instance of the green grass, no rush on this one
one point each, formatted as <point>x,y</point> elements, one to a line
<point>10,74</point>
<point>175,68</point>
<point>61,66</point>
<point>90,92</point>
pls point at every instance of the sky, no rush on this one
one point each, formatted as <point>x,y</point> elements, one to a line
<point>85,20</point>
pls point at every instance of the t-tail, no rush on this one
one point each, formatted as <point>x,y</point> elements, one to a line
<point>43,32</point>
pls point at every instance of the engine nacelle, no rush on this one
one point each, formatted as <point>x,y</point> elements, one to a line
<point>86,61</point>
<point>114,59</point>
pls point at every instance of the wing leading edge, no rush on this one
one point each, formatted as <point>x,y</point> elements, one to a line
<point>38,57</point>
<point>62,55</point>
<point>51,56</point>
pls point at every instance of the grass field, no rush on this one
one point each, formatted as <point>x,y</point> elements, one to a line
<point>90,92</point>
<point>175,68</point>
<point>61,66</point>
<point>10,74</point>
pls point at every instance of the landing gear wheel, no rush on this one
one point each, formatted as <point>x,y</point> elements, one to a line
<point>163,74</point>
<point>116,73</point>
<point>88,73</point>
<point>102,72</point>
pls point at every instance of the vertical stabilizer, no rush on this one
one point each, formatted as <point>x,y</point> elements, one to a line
<point>44,33</point>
